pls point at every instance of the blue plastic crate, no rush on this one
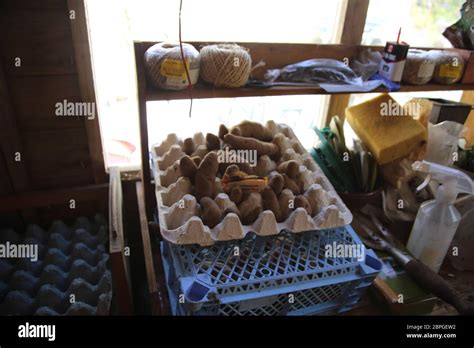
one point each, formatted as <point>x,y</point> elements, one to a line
<point>285,274</point>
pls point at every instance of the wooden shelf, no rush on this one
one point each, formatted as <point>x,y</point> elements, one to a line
<point>201,91</point>
<point>275,56</point>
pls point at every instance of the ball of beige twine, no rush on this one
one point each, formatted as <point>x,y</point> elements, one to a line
<point>419,67</point>
<point>225,65</point>
<point>164,65</point>
<point>449,67</point>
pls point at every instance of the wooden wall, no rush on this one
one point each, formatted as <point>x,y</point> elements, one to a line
<point>54,150</point>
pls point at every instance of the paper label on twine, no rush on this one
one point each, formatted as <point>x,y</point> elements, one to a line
<point>426,70</point>
<point>173,68</point>
<point>448,70</point>
<point>181,81</point>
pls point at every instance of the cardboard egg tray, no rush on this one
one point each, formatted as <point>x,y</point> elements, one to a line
<point>178,210</point>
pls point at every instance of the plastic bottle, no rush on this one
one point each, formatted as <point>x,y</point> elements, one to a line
<point>437,220</point>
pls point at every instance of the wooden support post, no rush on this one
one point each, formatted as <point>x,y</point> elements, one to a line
<point>143,126</point>
<point>354,22</point>
<point>352,31</point>
<point>468,98</point>
<point>118,252</point>
<point>83,59</point>
<point>154,268</point>
<point>147,248</point>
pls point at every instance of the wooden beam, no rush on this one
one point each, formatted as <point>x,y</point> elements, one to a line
<point>201,91</point>
<point>468,98</point>
<point>339,25</point>
<point>154,267</point>
<point>35,199</point>
<point>146,200</point>
<point>83,58</point>
<point>143,127</point>
<point>337,106</point>
<point>116,238</point>
<point>147,247</point>
<point>354,22</point>
<point>120,260</point>
<point>352,31</point>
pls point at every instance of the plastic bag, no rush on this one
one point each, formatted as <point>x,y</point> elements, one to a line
<point>367,63</point>
<point>461,34</point>
<point>443,141</point>
<point>315,71</point>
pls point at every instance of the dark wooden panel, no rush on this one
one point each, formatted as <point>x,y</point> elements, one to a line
<point>46,215</point>
<point>39,5</point>
<point>12,220</point>
<point>5,182</point>
<point>10,142</point>
<point>36,199</point>
<point>42,39</point>
<point>58,158</point>
<point>53,205</point>
<point>60,180</point>
<point>34,99</point>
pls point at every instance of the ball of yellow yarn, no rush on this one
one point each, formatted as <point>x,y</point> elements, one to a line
<point>165,68</point>
<point>225,65</point>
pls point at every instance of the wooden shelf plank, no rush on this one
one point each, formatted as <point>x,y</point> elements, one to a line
<point>201,91</point>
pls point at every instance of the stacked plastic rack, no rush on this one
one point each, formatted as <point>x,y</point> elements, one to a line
<point>286,274</point>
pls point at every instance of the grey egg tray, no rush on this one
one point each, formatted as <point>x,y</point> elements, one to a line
<point>70,277</point>
<point>180,225</point>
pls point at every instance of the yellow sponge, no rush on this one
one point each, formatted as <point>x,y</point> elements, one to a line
<point>388,135</point>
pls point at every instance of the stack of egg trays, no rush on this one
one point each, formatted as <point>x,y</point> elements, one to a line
<point>285,274</point>
<point>70,277</point>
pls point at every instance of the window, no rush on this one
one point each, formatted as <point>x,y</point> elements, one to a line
<point>422,21</point>
<point>299,112</point>
<point>114,25</point>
